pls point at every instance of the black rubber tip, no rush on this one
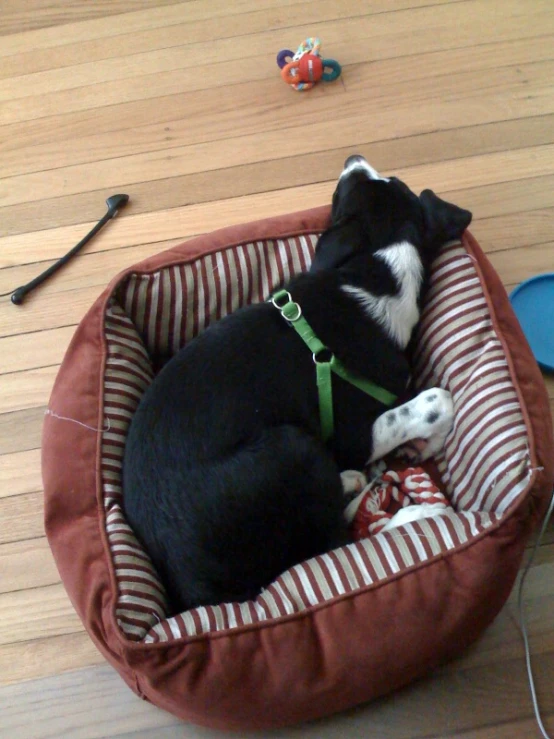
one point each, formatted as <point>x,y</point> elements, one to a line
<point>115,202</point>
<point>18,295</point>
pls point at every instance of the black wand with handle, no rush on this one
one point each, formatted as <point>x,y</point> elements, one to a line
<point>114,203</point>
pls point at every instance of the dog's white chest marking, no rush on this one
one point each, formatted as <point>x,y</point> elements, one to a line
<point>397,314</point>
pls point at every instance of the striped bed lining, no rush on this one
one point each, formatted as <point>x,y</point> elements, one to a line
<point>485,464</point>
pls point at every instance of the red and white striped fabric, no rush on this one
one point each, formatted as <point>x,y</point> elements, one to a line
<point>484,467</point>
<point>486,460</point>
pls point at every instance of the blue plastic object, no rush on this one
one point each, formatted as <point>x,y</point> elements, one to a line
<point>533,303</point>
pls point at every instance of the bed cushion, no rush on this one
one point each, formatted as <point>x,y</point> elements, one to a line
<point>306,646</point>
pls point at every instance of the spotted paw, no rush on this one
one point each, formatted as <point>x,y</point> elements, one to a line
<point>436,417</point>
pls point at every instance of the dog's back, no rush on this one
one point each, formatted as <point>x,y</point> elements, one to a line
<point>225,480</point>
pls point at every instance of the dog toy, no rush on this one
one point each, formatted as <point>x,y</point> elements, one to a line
<point>390,492</point>
<point>114,203</point>
<point>306,67</point>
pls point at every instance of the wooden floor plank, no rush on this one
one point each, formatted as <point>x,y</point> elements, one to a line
<point>245,179</point>
<point>20,473</point>
<point>26,565</point>
<point>27,389</point>
<point>523,729</point>
<point>506,232</point>
<point>96,268</point>
<point>38,347</point>
<point>53,313</point>
<point>437,32</point>
<point>132,22</point>
<point>186,54</point>
<point>209,71</point>
<point>233,151</point>
<point>48,613</point>
<point>523,263</point>
<point>211,29</point>
<point>42,657</point>
<point>19,158</point>
<point>156,37</point>
<point>181,106</point>
<point>502,198</point>
<point>20,431</point>
<point>73,694</point>
<point>129,229</point>
<point>43,14</point>
<point>22,517</point>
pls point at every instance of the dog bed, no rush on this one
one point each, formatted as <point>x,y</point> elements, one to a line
<point>344,627</point>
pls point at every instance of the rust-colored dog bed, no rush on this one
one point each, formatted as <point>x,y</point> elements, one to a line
<point>339,629</point>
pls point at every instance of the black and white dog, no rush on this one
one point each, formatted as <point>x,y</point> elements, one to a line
<point>227,482</point>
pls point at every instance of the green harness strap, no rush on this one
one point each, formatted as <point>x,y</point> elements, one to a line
<point>325,365</point>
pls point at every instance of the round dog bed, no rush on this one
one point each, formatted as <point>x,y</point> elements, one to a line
<point>344,627</point>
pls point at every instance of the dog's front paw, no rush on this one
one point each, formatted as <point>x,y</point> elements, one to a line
<point>432,417</point>
<point>436,410</point>
<point>353,482</point>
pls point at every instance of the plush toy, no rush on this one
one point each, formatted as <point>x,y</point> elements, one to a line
<point>393,498</point>
<point>307,67</point>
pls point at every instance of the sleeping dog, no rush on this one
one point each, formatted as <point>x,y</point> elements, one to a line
<point>227,480</point>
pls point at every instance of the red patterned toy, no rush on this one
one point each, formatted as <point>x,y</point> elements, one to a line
<point>373,510</point>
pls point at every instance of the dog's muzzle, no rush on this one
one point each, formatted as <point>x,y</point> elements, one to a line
<point>356,162</point>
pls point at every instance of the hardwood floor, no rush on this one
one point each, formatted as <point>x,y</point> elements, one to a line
<point>180,105</point>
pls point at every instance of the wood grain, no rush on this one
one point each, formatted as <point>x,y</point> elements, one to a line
<point>179,103</point>
<point>48,612</point>
<point>246,179</point>
<point>43,14</point>
<point>122,172</point>
<point>20,431</point>
<point>22,517</point>
<point>19,472</point>
<point>24,660</point>
<point>27,565</point>
<point>25,351</point>
<point>36,156</point>
<point>518,264</point>
<point>27,389</point>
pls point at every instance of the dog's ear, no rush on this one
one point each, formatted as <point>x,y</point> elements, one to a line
<point>443,221</point>
<point>337,245</point>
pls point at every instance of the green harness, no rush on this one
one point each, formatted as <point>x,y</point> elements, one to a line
<point>326,363</point>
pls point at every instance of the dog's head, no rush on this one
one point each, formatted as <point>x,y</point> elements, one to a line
<point>371,212</point>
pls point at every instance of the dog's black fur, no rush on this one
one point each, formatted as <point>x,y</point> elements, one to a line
<point>226,480</point>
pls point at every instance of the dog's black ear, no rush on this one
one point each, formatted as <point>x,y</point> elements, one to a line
<point>337,245</point>
<point>443,221</point>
